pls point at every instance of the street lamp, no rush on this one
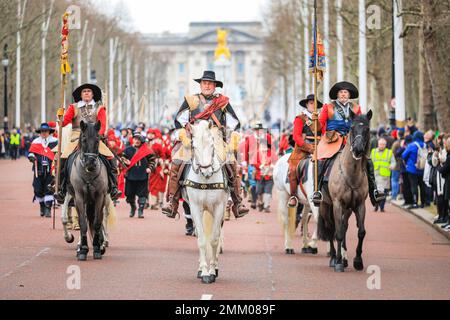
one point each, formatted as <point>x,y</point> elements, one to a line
<point>5,63</point>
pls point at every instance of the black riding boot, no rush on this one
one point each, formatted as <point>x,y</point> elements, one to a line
<point>48,209</point>
<point>112,179</point>
<point>317,197</point>
<point>375,195</point>
<point>141,202</point>
<point>42,205</point>
<point>61,195</point>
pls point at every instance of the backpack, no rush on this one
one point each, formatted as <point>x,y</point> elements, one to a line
<point>422,154</point>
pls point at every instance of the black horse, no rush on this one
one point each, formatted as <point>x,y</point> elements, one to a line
<point>88,185</point>
<point>346,192</point>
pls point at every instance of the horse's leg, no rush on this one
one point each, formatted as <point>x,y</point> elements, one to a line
<point>84,248</point>
<point>215,239</point>
<point>338,213</point>
<point>346,215</point>
<point>197,216</point>
<point>65,219</point>
<point>360,217</point>
<point>304,224</point>
<point>98,222</point>
<point>313,241</point>
<point>284,213</point>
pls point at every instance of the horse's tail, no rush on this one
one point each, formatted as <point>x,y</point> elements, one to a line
<point>111,213</point>
<point>325,229</point>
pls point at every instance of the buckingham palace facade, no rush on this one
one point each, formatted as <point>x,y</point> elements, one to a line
<point>187,55</point>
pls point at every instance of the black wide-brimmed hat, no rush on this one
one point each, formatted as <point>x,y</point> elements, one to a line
<point>139,136</point>
<point>344,85</point>
<point>96,90</point>
<point>310,97</point>
<point>258,126</point>
<point>210,76</point>
<point>45,127</point>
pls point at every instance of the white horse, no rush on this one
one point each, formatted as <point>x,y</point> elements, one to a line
<point>288,215</point>
<point>207,195</point>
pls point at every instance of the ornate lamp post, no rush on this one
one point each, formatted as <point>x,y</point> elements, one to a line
<point>5,63</point>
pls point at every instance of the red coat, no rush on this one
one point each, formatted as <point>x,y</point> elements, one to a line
<point>156,183</point>
<point>252,148</point>
<point>101,116</point>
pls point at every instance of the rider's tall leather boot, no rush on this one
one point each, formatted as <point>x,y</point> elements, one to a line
<point>60,196</point>
<point>293,200</point>
<point>239,209</point>
<point>173,192</point>
<point>113,172</point>
<point>375,195</point>
<point>317,195</point>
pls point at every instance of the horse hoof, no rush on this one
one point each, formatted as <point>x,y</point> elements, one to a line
<point>206,279</point>
<point>358,264</point>
<point>70,239</point>
<point>217,273</point>
<point>212,278</point>
<point>339,267</point>
<point>332,262</point>
<point>82,256</point>
<point>289,251</point>
<point>97,255</point>
<point>314,251</point>
<point>103,250</point>
<point>345,262</point>
<point>306,250</point>
<point>199,275</point>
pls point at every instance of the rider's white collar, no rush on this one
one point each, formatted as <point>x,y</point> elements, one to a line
<point>82,103</point>
<point>307,113</point>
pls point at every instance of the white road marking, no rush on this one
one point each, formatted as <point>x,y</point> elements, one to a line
<point>206,297</point>
<point>25,263</point>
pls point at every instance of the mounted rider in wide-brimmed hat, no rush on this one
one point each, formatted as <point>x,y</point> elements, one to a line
<point>303,135</point>
<point>207,105</point>
<point>335,121</point>
<point>88,107</point>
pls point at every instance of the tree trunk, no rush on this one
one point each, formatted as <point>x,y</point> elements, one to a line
<point>437,77</point>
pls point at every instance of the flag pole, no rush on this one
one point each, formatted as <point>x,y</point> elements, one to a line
<point>316,164</point>
<point>65,68</point>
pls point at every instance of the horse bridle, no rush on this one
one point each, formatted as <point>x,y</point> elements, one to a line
<point>199,166</point>
<point>352,142</point>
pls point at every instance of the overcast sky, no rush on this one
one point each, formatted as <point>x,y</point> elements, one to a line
<point>155,16</point>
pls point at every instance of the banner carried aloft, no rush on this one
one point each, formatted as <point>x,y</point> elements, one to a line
<point>320,61</point>
<point>65,66</point>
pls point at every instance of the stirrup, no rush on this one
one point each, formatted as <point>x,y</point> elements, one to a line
<point>379,196</point>
<point>170,213</point>
<point>317,197</point>
<point>296,202</point>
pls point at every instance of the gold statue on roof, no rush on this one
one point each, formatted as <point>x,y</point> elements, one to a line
<point>222,48</point>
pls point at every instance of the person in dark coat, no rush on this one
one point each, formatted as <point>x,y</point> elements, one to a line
<point>141,162</point>
<point>444,170</point>
<point>41,156</point>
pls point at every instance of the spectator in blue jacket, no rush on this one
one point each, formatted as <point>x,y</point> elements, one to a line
<point>415,175</point>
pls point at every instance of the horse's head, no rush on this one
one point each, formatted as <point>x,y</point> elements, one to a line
<point>203,148</point>
<point>89,142</point>
<point>360,135</point>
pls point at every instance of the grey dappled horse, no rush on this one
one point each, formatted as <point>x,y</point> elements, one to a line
<point>88,184</point>
<point>346,192</point>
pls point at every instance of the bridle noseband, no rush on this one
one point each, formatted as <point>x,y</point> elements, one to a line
<point>197,168</point>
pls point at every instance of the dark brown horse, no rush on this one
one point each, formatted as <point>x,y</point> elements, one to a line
<point>345,193</point>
